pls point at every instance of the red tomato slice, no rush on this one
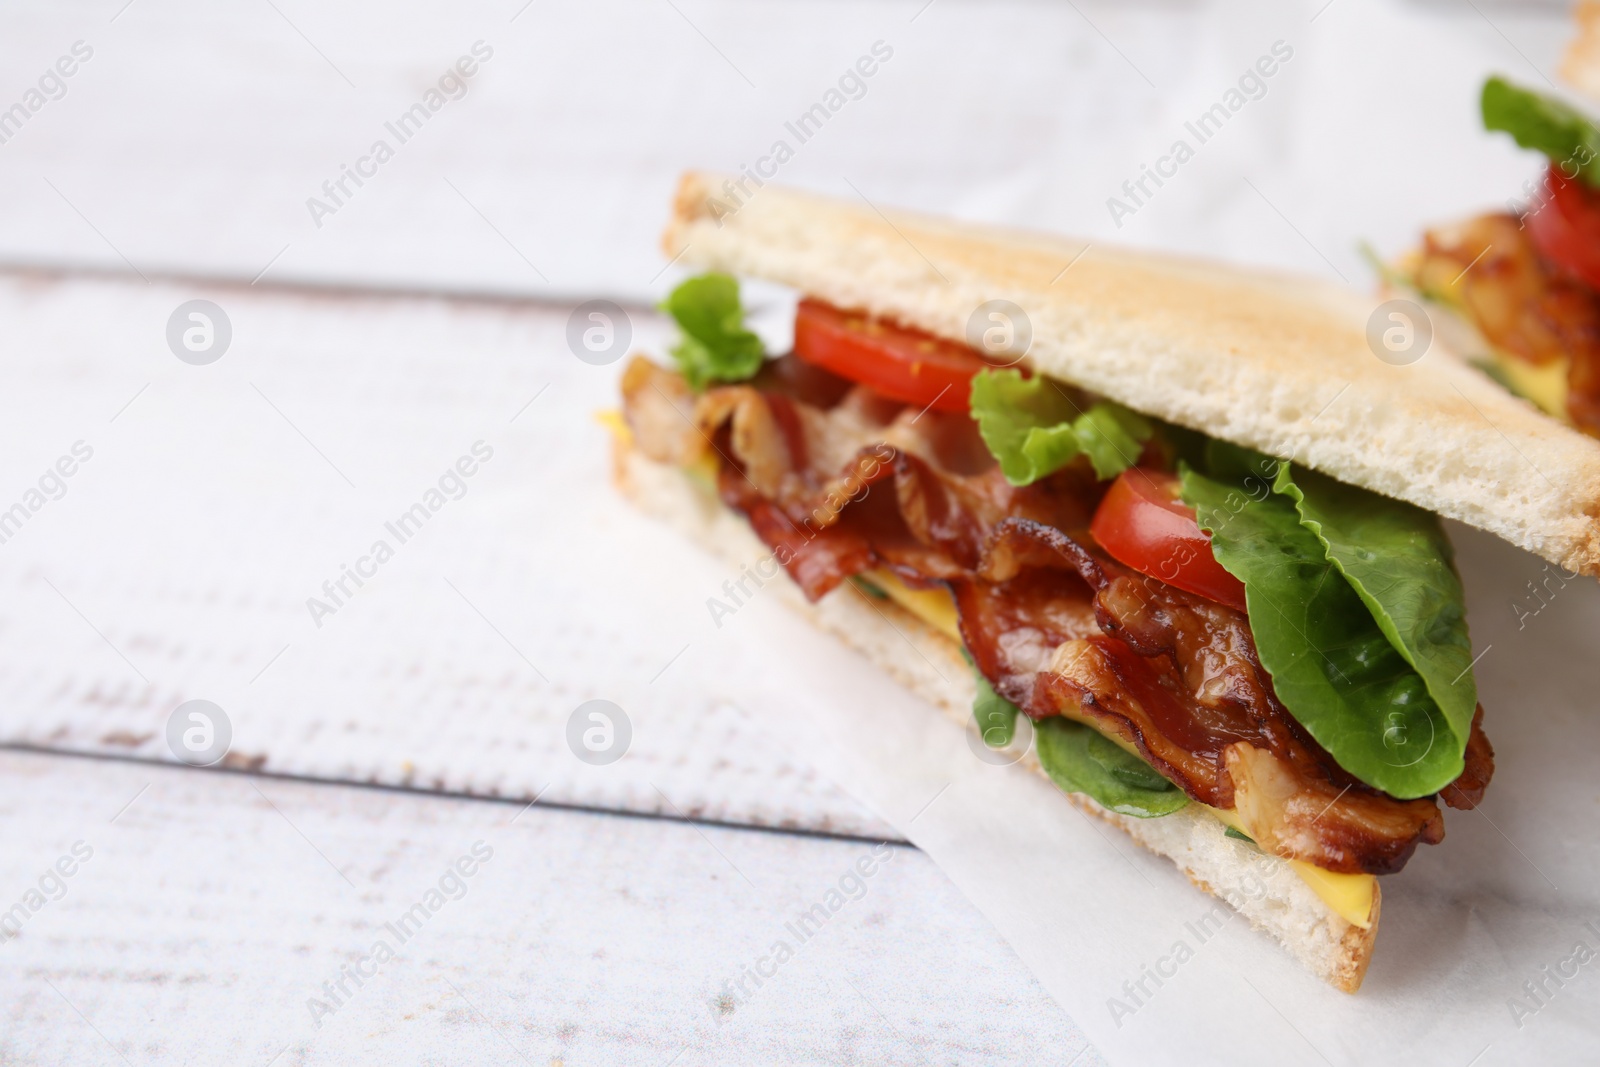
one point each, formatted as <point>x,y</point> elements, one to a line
<point>905,365</point>
<point>1566,228</point>
<point>1142,523</point>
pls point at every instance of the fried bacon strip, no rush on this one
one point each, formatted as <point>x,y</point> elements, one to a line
<point>1056,626</point>
<point>1177,676</point>
<point>1520,303</point>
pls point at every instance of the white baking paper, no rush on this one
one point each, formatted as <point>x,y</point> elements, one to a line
<point>1508,898</point>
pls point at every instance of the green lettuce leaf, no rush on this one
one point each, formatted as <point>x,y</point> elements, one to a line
<point>1493,369</point>
<point>1546,125</point>
<point>714,346</point>
<point>873,591</point>
<point>1398,560</point>
<point>1332,663</point>
<point>1079,759</point>
<point>995,715</point>
<point>1034,428</point>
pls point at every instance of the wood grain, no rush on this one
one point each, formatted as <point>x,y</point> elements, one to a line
<point>179,561</point>
<point>213,907</point>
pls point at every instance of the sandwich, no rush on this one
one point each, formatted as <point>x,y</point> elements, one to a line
<point>1176,517</point>
<point>1518,290</point>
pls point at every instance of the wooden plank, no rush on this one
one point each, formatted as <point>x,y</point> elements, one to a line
<point>205,910</point>
<point>179,561</point>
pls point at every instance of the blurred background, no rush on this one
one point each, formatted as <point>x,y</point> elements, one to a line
<point>193,138</point>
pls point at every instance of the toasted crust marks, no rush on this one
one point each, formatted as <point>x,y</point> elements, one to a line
<point>1279,904</point>
<point>1271,361</point>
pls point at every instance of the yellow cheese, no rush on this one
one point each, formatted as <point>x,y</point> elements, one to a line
<point>1349,895</point>
<point>933,606</point>
<point>1545,386</point>
<point>612,420</point>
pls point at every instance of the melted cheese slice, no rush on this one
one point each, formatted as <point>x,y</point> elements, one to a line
<point>612,420</point>
<point>933,606</point>
<point>1545,386</point>
<point>1350,896</point>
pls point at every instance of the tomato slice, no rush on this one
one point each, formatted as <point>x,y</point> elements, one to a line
<point>906,365</point>
<point>1142,523</point>
<point>1566,228</point>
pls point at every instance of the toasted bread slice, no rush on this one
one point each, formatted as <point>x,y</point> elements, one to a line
<point>1275,362</point>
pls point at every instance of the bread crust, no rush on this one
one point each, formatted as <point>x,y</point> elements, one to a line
<point>1259,887</point>
<point>1581,65</point>
<point>1275,362</point>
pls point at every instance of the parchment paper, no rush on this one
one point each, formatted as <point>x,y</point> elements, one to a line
<point>1509,893</point>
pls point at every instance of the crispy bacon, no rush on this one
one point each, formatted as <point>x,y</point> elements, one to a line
<point>1466,791</point>
<point>1521,304</point>
<point>848,484</point>
<point>1013,628</point>
<point>958,515</point>
<point>816,549</point>
<point>1178,677</point>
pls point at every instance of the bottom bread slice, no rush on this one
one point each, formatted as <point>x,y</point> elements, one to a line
<point>1262,888</point>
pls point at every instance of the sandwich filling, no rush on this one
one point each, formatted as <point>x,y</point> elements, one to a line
<point>1184,621</point>
<point>1528,281</point>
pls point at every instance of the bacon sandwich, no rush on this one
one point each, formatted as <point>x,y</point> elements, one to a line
<point>1178,517</point>
<point>1518,290</point>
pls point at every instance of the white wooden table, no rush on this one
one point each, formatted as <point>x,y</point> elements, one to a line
<point>215,907</point>
<point>618,915</point>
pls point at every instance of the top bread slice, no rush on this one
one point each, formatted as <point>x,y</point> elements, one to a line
<point>1274,362</point>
